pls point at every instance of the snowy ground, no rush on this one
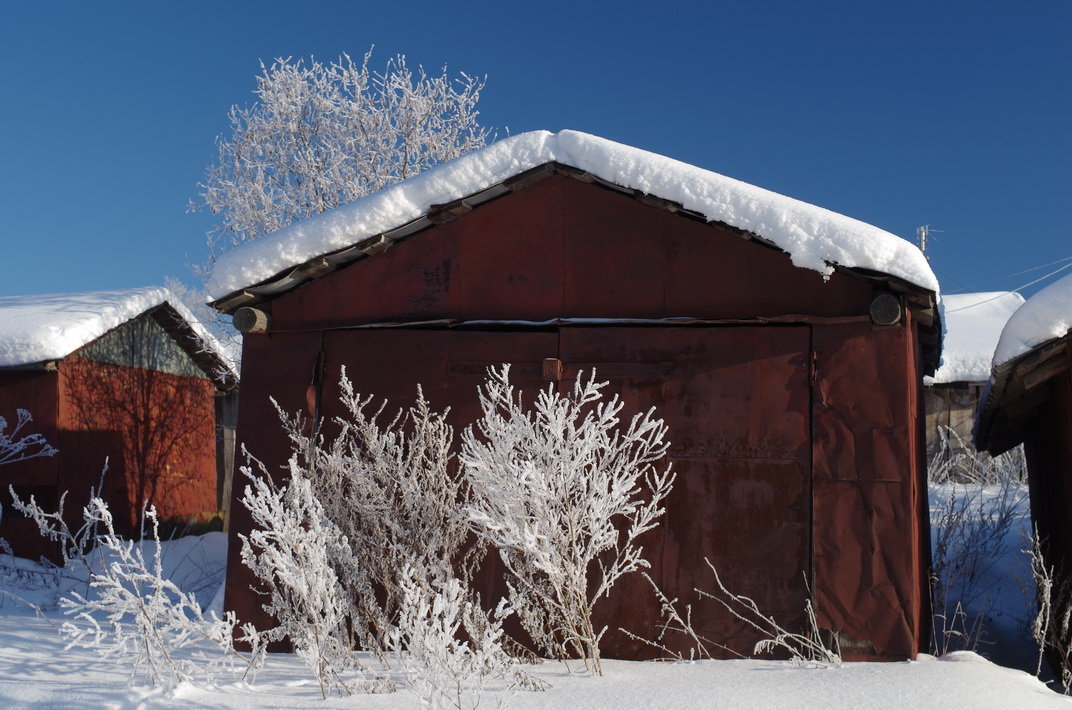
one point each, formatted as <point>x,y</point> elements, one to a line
<point>36,671</point>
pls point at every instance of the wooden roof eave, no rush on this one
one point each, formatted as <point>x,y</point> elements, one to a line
<point>212,364</point>
<point>1017,388</point>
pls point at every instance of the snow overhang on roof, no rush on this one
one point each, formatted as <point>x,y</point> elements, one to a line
<point>973,324</point>
<point>43,328</point>
<point>814,237</point>
<point>1035,346</point>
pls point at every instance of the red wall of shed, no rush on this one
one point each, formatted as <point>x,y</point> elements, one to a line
<point>34,391</point>
<point>155,429</point>
<point>870,547</point>
<point>563,248</point>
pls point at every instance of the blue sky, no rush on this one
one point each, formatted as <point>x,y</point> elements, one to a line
<point>954,114</point>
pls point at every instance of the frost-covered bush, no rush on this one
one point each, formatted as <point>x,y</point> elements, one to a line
<point>958,462</point>
<point>138,617</point>
<point>1051,628</point>
<point>17,446</point>
<point>443,668</point>
<point>563,492</point>
<point>294,550</point>
<point>387,486</point>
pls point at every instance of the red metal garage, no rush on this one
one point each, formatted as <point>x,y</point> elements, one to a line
<point>793,400</point>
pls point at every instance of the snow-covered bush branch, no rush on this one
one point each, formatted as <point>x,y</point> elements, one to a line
<point>806,646</point>
<point>563,492</point>
<point>17,446</point>
<point>293,550</point>
<point>442,668</point>
<point>1052,626</point>
<point>147,618</point>
<point>388,487</point>
<point>322,135</point>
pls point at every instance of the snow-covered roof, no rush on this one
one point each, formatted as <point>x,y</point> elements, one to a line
<point>814,237</point>
<point>973,323</point>
<point>46,327</point>
<point>1045,316</point>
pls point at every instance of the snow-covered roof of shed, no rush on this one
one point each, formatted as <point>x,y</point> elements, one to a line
<point>973,323</point>
<point>814,237</point>
<point>1045,316</point>
<point>44,327</point>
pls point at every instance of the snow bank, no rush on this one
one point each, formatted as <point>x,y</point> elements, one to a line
<point>52,326</point>
<point>973,323</point>
<point>1045,316</point>
<point>814,237</point>
<point>40,672</point>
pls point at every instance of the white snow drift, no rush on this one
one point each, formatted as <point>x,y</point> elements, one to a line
<point>44,327</point>
<point>814,237</point>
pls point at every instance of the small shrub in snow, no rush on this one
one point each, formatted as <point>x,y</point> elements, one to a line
<point>807,646</point>
<point>293,550</point>
<point>388,488</point>
<point>971,526</point>
<point>563,492</point>
<point>1052,626</point>
<point>443,669</point>
<point>137,616</point>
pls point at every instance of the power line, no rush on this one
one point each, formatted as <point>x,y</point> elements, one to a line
<point>1020,288</point>
<point>1009,276</point>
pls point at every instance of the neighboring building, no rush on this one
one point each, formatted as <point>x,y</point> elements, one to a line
<point>123,377</point>
<point>785,346</point>
<point>973,323</point>
<point>1029,401</point>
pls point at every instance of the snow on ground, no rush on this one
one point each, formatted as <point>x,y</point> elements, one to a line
<point>814,237</point>
<point>39,673</point>
<point>44,327</point>
<point>973,323</point>
<point>1045,316</point>
<point>36,671</point>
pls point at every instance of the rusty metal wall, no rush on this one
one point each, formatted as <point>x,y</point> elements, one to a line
<point>285,367</point>
<point>737,402</point>
<point>870,544</point>
<point>567,249</point>
<point>36,392</point>
<point>785,471</point>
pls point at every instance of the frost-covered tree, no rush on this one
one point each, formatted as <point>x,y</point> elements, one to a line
<point>564,492</point>
<point>321,135</point>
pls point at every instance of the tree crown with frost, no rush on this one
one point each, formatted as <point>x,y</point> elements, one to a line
<point>321,135</point>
